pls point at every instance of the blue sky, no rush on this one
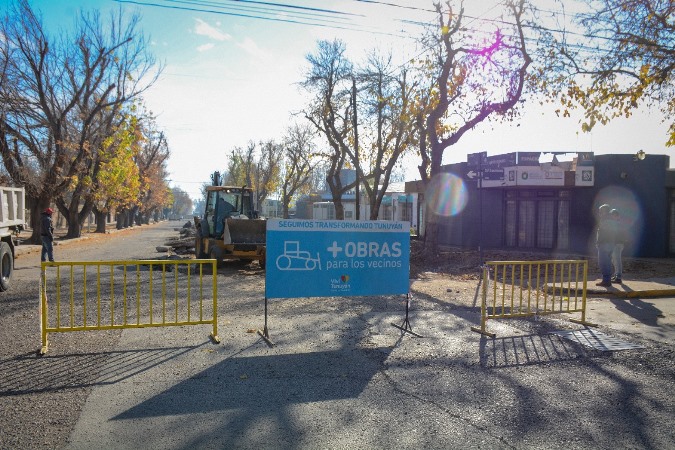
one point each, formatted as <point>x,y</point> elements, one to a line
<point>228,80</point>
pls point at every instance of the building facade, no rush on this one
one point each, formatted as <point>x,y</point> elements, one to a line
<point>521,203</point>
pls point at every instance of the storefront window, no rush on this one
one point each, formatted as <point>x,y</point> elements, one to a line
<point>537,219</point>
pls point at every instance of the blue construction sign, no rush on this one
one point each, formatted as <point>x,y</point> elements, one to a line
<point>326,258</point>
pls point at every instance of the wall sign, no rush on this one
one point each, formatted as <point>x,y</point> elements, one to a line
<point>326,258</point>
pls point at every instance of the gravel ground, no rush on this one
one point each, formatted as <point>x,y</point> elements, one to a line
<point>339,377</point>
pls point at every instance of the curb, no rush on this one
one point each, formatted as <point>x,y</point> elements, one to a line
<point>635,294</point>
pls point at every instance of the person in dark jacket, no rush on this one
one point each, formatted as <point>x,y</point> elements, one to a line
<point>604,241</point>
<point>47,235</point>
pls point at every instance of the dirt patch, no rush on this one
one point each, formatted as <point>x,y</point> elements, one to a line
<point>463,264</point>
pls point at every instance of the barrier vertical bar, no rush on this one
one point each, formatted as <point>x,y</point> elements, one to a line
<point>483,304</point>
<point>175,292</point>
<point>189,289</point>
<point>43,309</point>
<point>163,293</point>
<point>513,284</point>
<point>138,294</point>
<point>124,293</point>
<point>583,298</point>
<point>520,297</point>
<point>98,296</point>
<point>84,303</point>
<point>151,290</point>
<point>576,287</point>
<point>58,296</point>
<point>545,284</point>
<point>529,287</point>
<point>201,291</point>
<point>72,298</point>
<point>214,271</point>
<point>112,294</point>
<point>569,285</point>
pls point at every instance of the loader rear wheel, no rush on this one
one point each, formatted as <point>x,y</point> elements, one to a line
<point>6,266</point>
<point>199,249</point>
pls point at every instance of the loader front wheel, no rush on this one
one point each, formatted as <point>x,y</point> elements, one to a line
<point>217,254</point>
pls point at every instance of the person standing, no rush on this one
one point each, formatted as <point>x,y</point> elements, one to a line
<point>604,241</point>
<point>620,240</point>
<point>47,234</point>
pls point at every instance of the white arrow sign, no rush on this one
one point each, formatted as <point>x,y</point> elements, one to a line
<point>471,175</point>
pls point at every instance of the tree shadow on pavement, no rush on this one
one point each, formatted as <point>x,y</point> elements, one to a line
<point>27,374</point>
<point>638,309</point>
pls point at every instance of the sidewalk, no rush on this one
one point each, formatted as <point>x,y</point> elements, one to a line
<point>24,249</point>
<point>656,287</point>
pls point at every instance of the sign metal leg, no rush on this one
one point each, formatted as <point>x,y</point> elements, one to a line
<point>405,326</point>
<point>265,334</point>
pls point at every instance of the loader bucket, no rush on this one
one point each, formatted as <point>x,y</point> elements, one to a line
<point>245,231</point>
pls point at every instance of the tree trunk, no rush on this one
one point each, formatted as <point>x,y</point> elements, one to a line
<point>135,217</point>
<point>100,221</point>
<point>122,219</point>
<point>431,238</point>
<point>71,215</point>
<point>74,226</point>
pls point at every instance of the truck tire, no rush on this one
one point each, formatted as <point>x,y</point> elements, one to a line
<point>6,266</point>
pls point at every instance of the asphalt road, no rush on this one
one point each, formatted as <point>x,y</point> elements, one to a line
<point>340,376</point>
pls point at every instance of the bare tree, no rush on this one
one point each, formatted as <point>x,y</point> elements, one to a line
<point>387,131</point>
<point>365,116</point>
<point>474,81</point>
<point>330,80</point>
<point>58,98</point>
<point>297,163</point>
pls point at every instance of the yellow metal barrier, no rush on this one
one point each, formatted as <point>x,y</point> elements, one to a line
<point>531,288</point>
<point>108,295</point>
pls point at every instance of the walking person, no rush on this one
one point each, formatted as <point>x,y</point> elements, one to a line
<point>620,240</point>
<point>47,235</point>
<point>604,241</point>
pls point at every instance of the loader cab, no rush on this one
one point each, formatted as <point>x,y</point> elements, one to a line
<point>223,202</point>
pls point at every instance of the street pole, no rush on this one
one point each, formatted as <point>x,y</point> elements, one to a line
<point>480,205</point>
<point>356,150</point>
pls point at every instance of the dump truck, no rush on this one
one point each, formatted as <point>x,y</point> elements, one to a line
<point>230,227</point>
<point>12,221</point>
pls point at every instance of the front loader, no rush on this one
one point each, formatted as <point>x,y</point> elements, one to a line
<point>230,227</point>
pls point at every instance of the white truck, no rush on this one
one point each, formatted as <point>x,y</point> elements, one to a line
<point>12,221</point>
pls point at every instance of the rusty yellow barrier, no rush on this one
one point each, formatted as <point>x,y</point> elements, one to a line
<point>108,295</point>
<point>532,288</point>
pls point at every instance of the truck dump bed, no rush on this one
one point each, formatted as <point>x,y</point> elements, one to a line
<point>12,207</point>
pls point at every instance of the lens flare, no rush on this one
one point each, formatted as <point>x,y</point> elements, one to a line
<point>447,195</point>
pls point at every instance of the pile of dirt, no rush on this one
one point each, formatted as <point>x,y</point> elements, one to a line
<point>184,243</point>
